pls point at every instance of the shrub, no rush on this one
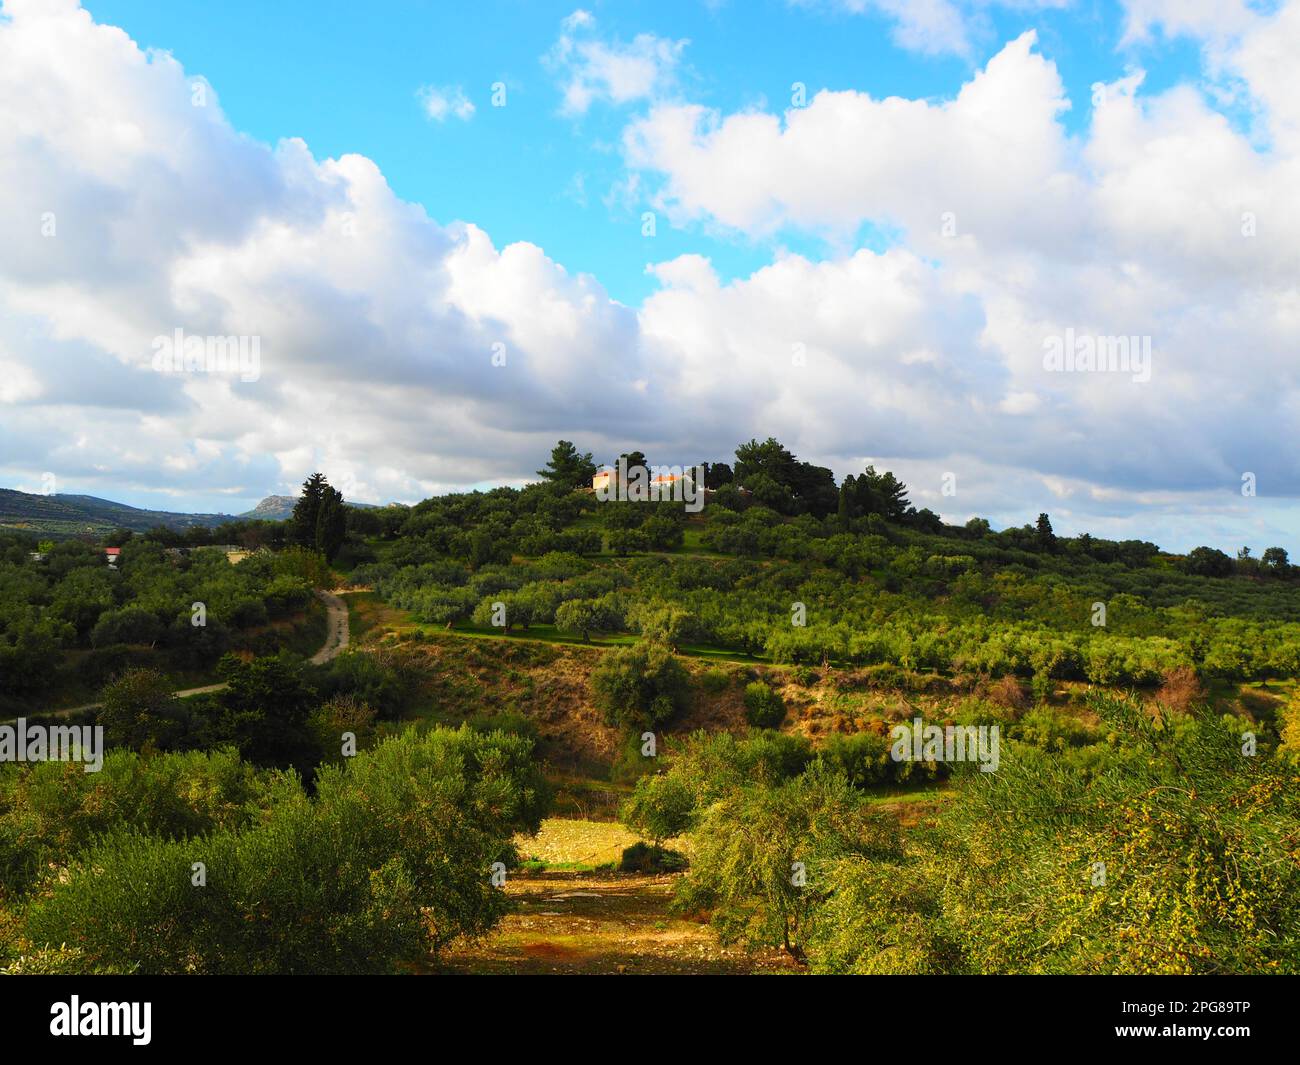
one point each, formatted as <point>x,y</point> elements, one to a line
<point>305,564</point>
<point>1052,730</point>
<point>1181,689</point>
<point>385,680</point>
<point>264,710</point>
<point>389,862</point>
<point>643,686</point>
<point>764,708</point>
<point>714,681</point>
<point>1289,730</point>
<point>131,625</point>
<point>509,721</point>
<point>286,594</point>
<point>104,662</point>
<point>804,676</point>
<point>642,858</point>
<point>138,709</point>
<point>1202,829</point>
<point>762,855</point>
<point>1009,692</point>
<point>338,716</point>
<point>863,758</point>
<point>660,808</point>
<point>51,811</point>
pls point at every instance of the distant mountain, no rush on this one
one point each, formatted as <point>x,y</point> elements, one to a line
<point>280,508</point>
<point>272,508</point>
<point>71,514</point>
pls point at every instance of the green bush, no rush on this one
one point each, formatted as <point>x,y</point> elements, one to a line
<point>714,681</point>
<point>1052,730</point>
<point>660,808</point>
<point>51,812</point>
<point>761,857</point>
<point>389,862</point>
<point>863,758</point>
<point>130,625</point>
<point>764,708</point>
<point>643,858</point>
<point>386,680</point>
<point>1170,855</point>
<point>138,709</point>
<point>643,686</point>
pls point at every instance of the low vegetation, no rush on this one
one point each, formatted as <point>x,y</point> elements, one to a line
<point>727,685</point>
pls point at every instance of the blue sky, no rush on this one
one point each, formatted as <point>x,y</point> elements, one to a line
<point>872,276</point>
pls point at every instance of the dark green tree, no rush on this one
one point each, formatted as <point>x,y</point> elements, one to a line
<point>567,468</point>
<point>769,458</point>
<point>1208,562</point>
<point>1043,533</point>
<point>138,709</point>
<point>264,712</point>
<point>844,506</point>
<point>331,523</point>
<point>642,686</point>
<point>306,512</point>
<point>716,474</point>
<point>764,707</point>
<point>1276,562</point>
<point>319,519</point>
<point>924,519</point>
<point>877,493</point>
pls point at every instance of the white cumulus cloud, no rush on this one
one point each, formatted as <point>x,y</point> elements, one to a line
<point>442,103</point>
<point>591,69</point>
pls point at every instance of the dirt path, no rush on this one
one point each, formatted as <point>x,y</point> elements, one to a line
<point>336,640</point>
<point>336,628</point>
<point>575,923</point>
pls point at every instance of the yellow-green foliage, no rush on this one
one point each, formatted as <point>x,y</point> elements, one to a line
<point>1180,854</point>
<point>1290,729</point>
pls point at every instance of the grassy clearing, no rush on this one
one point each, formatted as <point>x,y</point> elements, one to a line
<point>569,844</point>
<point>369,615</point>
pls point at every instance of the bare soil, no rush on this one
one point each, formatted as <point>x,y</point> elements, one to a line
<point>611,923</point>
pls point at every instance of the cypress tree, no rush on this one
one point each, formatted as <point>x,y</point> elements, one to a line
<point>306,512</point>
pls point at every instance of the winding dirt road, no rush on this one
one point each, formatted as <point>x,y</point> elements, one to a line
<point>336,628</point>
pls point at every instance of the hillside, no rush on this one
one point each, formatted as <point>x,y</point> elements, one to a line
<point>280,508</point>
<point>58,516</point>
<point>272,508</point>
<point>68,515</point>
